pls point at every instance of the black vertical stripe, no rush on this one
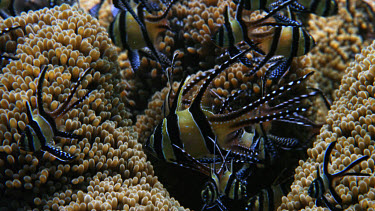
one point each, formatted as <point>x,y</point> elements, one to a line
<point>122,27</point>
<point>295,41</point>
<point>307,38</point>
<point>12,8</point>
<point>200,118</point>
<point>261,201</point>
<point>110,30</point>
<point>38,131</point>
<point>228,27</point>
<point>284,189</point>
<point>229,185</point>
<point>220,35</point>
<point>204,127</point>
<point>174,135</point>
<point>262,4</point>
<point>29,140</point>
<point>40,135</point>
<point>174,130</point>
<point>320,187</point>
<point>158,141</point>
<point>119,23</point>
<point>314,5</point>
<point>327,8</point>
<point>271,199</point>
<point>173,109</point>
<point>39,97</point>
<point>275,41</point>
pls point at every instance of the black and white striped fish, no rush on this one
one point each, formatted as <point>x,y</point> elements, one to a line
<point>192,129</point>
<point>325,181</point>
<point>41,129</point>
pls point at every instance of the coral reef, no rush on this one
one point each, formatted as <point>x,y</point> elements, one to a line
<point>350,122</point>
<point>228,82</point>
<point>338,39</point>
<point>111,171</point>
<point>192,25</point>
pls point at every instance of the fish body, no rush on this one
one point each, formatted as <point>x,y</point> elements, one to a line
<point>287,41</point>
<point>38,136</point>
<point>127,33</point>
<point>319,7</point>
<point>221,183</point>
<point>325,181</point>
<point>41,130</point>
<point>191,129</point>
<point>268,199</point>
<point>226,184</point>
<point>133,31</point>
<point>271,38</point>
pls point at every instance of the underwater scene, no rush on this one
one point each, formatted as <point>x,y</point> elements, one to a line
<point>187,105</point>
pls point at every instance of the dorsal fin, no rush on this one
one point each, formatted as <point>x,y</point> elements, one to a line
<point>166,107</point>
